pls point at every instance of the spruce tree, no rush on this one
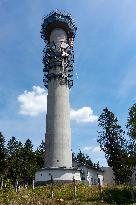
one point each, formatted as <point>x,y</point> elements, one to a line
<point>131,122</point>
<point>29,162</point>
<point>14,159</point>
<point>2,155</point>
<point>83,159</point>
<point>39,155</point>
<point>112,142</point>
<point>131,126</point>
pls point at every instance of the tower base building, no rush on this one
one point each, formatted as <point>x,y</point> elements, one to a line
<point>57,174</point>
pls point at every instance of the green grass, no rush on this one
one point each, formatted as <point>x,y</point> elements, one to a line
<point>63,194</point>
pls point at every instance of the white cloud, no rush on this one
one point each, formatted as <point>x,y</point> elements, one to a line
<point>33,102</point>
<point>92,149</point>
<point>84,114</point>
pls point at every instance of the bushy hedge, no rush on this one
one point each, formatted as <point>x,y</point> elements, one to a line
<point>120,195</point>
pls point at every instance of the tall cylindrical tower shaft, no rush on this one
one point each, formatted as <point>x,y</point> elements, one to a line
<point>58,133</point>
<point>58,31</point>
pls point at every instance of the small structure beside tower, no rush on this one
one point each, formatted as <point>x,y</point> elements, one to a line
<point>58,32</point>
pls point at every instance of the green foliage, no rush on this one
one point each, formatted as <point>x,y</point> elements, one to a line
<point>14,159</point>
<point>63,194</point>
<point>120,195</point>
<point>2,155</point>
<point>86,193</point>
<point>29,162</point>
<point>39,155</point>
<point>131,126</point>
<point>131,122</point>
<point>112,142</point>
<point>83,159</point>
<point>22,161</point>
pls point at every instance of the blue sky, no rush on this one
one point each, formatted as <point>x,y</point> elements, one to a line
<point>105,60</point>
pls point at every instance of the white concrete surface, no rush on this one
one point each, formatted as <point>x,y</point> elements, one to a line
<point>58,132</point>
<point>44,175</point>
<point>89,175</point>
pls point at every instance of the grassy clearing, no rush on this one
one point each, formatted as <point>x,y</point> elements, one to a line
<point>63,194</point>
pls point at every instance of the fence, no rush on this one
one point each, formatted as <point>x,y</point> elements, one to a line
<point>74,192</point>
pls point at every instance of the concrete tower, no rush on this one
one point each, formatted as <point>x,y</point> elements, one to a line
<point>58,32</point>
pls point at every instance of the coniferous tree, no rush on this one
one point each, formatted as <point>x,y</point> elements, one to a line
<point>29,161</point>
<point>22,160</point>
<point>89,161</point>
<point>131,126</point>
<point>12,146</point>
<point>112,142</point>
<point>2,155</point>
<point>131,122</point>
<point>14,159</point>
<point>83,159</point>
<point>74,156</point>
<point>39,154</point>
